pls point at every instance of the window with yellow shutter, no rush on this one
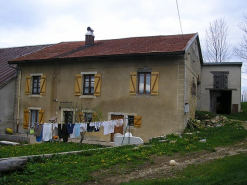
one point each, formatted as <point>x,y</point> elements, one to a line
<point>32,116</point>
<point>144,81</point>
<point>88,84</point>
<point>88,87</point>
<point>35,84</point>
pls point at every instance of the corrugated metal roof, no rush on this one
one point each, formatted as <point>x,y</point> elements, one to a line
<point>7,73</point>
<point>125,46</point>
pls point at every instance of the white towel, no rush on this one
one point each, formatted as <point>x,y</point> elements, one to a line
<point>47,133</point>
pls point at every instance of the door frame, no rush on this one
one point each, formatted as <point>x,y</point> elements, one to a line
<point>62,114</point>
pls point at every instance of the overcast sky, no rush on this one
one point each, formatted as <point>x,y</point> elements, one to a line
<point>35,22</point>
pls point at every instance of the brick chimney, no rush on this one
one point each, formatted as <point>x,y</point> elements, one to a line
<point>89,37</point>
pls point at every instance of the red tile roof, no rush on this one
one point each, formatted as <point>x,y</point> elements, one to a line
<point>6,54</point>
<point>125,46</point>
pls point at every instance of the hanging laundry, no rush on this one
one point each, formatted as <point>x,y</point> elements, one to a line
<point>70,127</point>
<point>97,126</point>
<point>105,124</point>
<point>96,129</point>
<point>90,128</point>
<point>77,129</point>
<point>54,125</point>
<point>83,127</point>
<point>39,139</point>
<point>62,132</point>
<point>38,129</point>
<point>72,136</point>
<point>119,122</point>
<point>47,132</point>
<point>38,132</point>
<point>111,126</point>
<point>108,127</point>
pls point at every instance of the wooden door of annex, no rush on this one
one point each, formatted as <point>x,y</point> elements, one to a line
<point>116,129</point>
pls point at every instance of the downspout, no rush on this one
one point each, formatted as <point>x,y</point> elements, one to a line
<point>185,81</point>
<point>19,97</point>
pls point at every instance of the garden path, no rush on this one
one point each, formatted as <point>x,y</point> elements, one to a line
<point>160,168</point>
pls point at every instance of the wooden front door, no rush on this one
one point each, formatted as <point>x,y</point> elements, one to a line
<point>116,129</point>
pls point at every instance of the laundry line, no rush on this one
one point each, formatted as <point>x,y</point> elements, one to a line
<point>45,131</point>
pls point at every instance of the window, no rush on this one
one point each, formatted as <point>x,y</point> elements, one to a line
<point>131,120</point>
<point>31,116</point>
<point>88,87</point>
<point>88,84</point>
<point>144,83</point>
<point>88,117</point>
<point>34,117</point>
<point>36,85</point>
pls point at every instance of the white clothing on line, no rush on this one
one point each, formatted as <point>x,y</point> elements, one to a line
<point>47,132</point>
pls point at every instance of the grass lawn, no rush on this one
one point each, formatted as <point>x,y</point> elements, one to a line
<point>76,169</point>
<point>43,148</point>
<point>240,116</point>
<point>227,171</point>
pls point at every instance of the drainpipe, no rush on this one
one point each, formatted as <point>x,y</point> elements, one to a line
<point>185,86</point>
<point>19,97</point>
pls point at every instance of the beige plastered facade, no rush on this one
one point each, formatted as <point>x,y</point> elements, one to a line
<point>234,83</point>
<point>161,114</point>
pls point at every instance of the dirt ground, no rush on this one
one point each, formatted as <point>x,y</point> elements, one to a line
<point>160,168</point>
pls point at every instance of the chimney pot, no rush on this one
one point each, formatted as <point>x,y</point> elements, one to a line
<point>89,37</point>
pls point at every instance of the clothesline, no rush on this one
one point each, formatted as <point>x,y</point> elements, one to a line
<point>44,132</point>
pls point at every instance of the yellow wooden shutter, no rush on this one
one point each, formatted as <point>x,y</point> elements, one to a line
<point>154,83</point>
<point>133,77</point>
<point>26,119</point>
<point>80,115</point>
<point>137,121</point>
<point>41,116</point>
<point>42,85</point>
<point>78,82</point>
<point>97,84</point>
<point>28,85</point>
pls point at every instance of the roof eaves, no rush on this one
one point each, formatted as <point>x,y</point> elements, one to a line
<point>100,56</point>
<point>223,64</point>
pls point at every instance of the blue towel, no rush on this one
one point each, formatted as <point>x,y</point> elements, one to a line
<point>77,130</point>
<point>70,128</point>
<point>39,139</point>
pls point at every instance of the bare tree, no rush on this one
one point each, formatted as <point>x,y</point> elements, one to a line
<point>216,46</point>
<point>241,50</point>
